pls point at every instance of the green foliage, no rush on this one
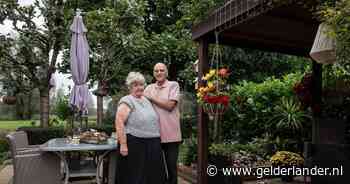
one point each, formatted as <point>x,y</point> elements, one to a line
<point>289,116</point>
<point>252,105</point>
<point>31,57</point>
<point>228,149</point>
<point>53,121</point>
<point>62,108</point>
<point>195,11</point>
<point>4,145</point>
<point>38,135</point>
<point>287,159</point>
<point>190,155</point>
<point>256,65</point>
<point>115,37</point>
<point>188,124</point>
<point>14,124</point>
<point>109,116</point>
<point>336,14</point>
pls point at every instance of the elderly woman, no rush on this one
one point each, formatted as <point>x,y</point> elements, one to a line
<point>139,150</point>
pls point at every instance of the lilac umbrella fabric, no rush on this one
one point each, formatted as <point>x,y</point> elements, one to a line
<point>79,65</point>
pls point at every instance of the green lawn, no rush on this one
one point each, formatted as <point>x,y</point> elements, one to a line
<point>12,125</point>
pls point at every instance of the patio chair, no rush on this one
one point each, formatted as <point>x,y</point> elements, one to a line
<point>20,141</point>
<point>30,165</point>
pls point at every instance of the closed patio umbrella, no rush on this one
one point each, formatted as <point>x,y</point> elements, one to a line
<point>79,65</point>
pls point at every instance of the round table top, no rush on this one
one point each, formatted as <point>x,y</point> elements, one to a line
<point>62,144</point>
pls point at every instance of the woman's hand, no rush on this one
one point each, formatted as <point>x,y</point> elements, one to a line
<point>124,149</point>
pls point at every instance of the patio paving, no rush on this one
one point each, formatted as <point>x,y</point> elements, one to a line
<point>7,172</point>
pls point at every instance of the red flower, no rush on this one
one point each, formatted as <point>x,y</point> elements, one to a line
<point>223,99</point>
<point>224,72</point>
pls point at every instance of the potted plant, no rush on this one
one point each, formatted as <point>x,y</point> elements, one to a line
<point>289,115</point>
<point>333,111</point>
<point>213,96</point>
<point>287,159</point>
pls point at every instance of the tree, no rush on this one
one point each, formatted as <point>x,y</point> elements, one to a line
<point>36,55</point>
<point>114,35</point>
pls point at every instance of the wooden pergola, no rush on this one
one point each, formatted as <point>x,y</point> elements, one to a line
<point>259,24</point>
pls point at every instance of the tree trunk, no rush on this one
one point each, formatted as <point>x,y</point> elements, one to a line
<point>99,110</point>
<point>44,108</point>
<point>29,109</point>
<point>20,106</point>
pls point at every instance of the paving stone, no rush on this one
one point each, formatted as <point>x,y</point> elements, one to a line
<point>7,172</point>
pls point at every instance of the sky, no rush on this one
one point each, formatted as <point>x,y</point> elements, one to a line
<point>62,80</point>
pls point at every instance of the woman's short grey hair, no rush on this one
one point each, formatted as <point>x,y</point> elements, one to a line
<point>134,77</point>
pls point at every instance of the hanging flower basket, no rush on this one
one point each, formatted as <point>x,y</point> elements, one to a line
<point>9,100</point>
<point>213,96</point>
<point>216,105</point>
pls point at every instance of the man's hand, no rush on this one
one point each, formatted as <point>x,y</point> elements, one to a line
<point>124,149</point>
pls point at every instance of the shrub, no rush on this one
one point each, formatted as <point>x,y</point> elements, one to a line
<point>62,108</point>
<point>188,124</point>
<point>38,135</point>
<point>4,145</point>
<point>235,154</point>
<point>252,105</point>
<point>289,116</point>
<point>191,152</point>
<point>287,159</point>
<point>109,115</point>
<point>228,149</point>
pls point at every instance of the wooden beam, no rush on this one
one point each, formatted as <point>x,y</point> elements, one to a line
<point>246,40</point>
<point>281,28</point>
<point>202,124</point>
<point>223,16</point>
<point>317,99</point>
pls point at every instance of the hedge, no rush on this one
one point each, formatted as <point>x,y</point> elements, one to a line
<point>38,135</point>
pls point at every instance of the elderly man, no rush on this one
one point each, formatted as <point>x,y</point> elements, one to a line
<point>164,96</point>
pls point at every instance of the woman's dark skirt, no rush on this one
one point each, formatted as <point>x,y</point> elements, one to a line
<point>143,164</point>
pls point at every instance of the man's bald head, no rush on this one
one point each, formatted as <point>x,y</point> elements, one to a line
<point>160,71</point>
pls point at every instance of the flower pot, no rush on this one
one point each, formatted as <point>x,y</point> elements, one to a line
<point>9,100</point>
<point>220,162</point>
<point>323,48</point>
<point>215,106</point>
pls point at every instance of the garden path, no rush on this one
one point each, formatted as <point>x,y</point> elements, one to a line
<point>7,172</point>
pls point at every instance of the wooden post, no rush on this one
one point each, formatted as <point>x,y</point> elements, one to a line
<point>203,66</point>
<point>317,99</point>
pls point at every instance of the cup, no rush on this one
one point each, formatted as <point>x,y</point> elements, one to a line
<point>75,139</point>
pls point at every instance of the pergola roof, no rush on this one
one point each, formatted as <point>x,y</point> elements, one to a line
<point>260,24</point>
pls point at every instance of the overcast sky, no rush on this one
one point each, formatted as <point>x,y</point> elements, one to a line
<point>62,81</point>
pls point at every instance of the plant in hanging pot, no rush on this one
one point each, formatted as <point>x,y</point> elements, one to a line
<point>213,96</point>
<point>332,113</point>
<point>9,100</point>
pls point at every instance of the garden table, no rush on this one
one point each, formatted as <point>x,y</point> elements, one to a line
<point>61,145</point>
